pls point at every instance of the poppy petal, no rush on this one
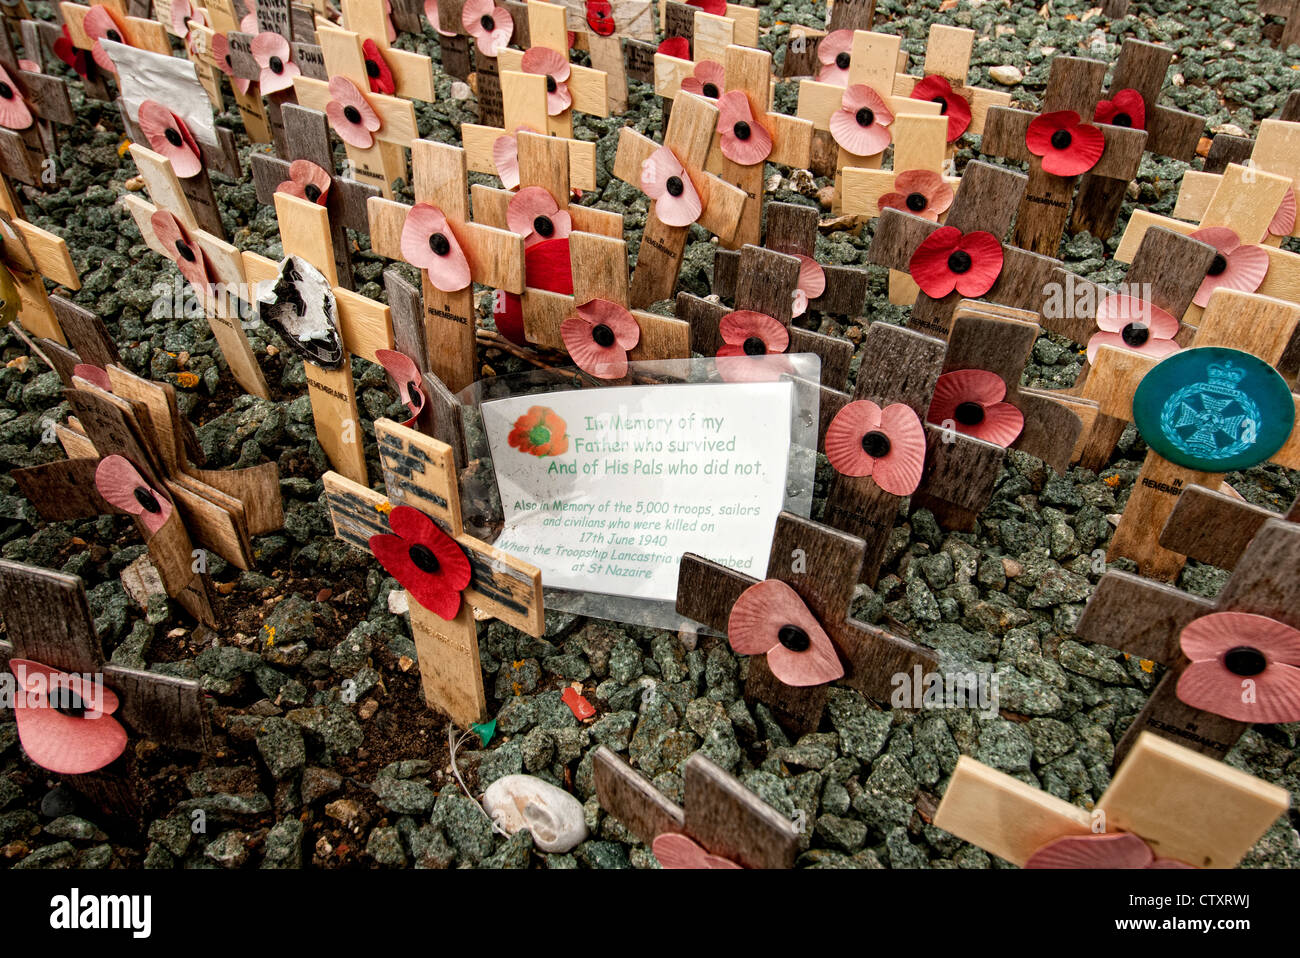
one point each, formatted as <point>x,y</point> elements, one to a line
<point>928,265</point>
<point>93,374</point>
<point>403,371</point>
<point>961,386</point>
<point>58,742</point>
<point>1002,424</point>
<point>101,23</point>
<point>742,139</point>
<point>505,157</point>
<point>429,242</point>
<point>666,182</point>
<point>741,325</point>
<point>843,441</point>
<point>677,851</point>
<point>861,125</point>
<point>1152,347</point>
<point>986,259</point>
<point>14,113</point>
<point>1283,222</point>
<point>1114,850</point>
<point>677,47</point>
<point>899,471</point>
<point>431,13</point>
<point>603,362</point>
<point>1083,147</point>
<point>761,616</point>
<point>169,138</point>
<point>1210,636</point>
<point>122,486</point>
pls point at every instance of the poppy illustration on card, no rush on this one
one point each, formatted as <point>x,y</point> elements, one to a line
<point>540,432</point>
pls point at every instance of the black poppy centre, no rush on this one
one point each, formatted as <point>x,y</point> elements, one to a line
<point>68,702</point>
<point>602,335</point>
<point>550,84</point>
<point>113,35</point>
<point>1217,265</point>
<point>876,444</point>
<point>439,244</point>
<point>352,114</point>
<point>959,261</point>
<point>276,65</point>
<point>1244,661</point>
<point>543,226</point>
<point>943,104</point>
<point>312,192</point>
<point>793,638</point>
<point>742,130</point>
<point>865,116</point>
<point>969,413</point>
<point>6,91</point>
<point>710,90</point>
<point>148,501</point>
<point>917,202</point>
<point>1061,140</point>
<point>183,249</point>
<point>675,186</point>
<point>173,136</point>
<point>842,60</point>
<point>424,559</point>
<point>1121,119</point>
<point>1135,334</point>
<point>755,346</point>
<point>372,69</point>
<point>487,23</point>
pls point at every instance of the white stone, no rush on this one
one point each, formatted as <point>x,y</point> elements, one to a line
<point>459,90</point>
<point>398,603</point>
<point>1006,74</point>
<point>554,817</point>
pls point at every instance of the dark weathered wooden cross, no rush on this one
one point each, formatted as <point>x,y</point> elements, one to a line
<point>28,155</point>
<point>1217,525</point>
<point>801,58</point>
<point>1289,11</point>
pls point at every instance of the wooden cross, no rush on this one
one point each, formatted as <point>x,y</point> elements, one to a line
<point>1286,9</point>
<point>1074,84</point>
<point>420,472</point>
<point>1226,148</point>
<point>496,257</point>
<point>32,255</point>
<point>1217,525</point>
<point>48,620</point>
<point>948,55</point>
<point>1254,324</point>
<point>28,155</point>
<point>225,24</point>
<point>821,564</point>
<point>307,137</point>
<point>708,35</point>
<point>1146,618</point>
<point>718,813</point>
<point>136,31</point>
<point>801,58</point>
<point>1174,133</point>
<point>689,136</point>
<point>1183,805</point>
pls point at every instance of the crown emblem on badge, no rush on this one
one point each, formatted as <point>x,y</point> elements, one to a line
<point>1224,377</point>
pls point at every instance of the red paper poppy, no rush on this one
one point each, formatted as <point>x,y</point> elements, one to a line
<point>861,124</point>
<point>429,242</point>
<point>181,248</point>
<point>170,137</point>
<point>1244,667</point>
<point>1115,850</point>
<point>970,401</point>
<point>599,336</point>
<point>716,7</point>
<point>742,138</point>
<point>922,193</point>
<point>1236,266</point>
<point>533,214</point>
<point>770,619</point>
<point>69,54</point>
<point>1125,108</point>
<point>428,563</point>
<point>271,52</point>
<point>708,79</point>
<point>431,12</point>
<point>490,26</point>
<point>600,17</point>
<point>350,113</point>
<point>674,850</point>
<point>122,486</point>
<point>1067,145</point>
<point>379,76</point>
<point>554,66</point>
<point>14,114</point>
<point>886,444</point>
<point>65,723</point>
<point>937,89</point>
<point>835,51</point>
<point>678,47</point>
<point>666,181</point>
<point>749,338</point>
<point>546,266</point>
<point>221,54</point>
<point>1134,324</point>
<point>949,259</point>
<point>93,374</point>
<point>1283,222</point>
<point>307,181</point>
<point>812,283</point>
<point>406,375</point>
<point>539,432</point>
<point>101,23</point>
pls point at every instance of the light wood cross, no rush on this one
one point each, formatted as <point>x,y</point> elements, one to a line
<point>468,62</point>
<point>48,620</point>
<point>1146,619</point>
<point>495,256</point>
<point>1254,324</point>
<point>718,813</point>
<point>224,22</point>
<point>136,31</point>
<point>28,156</point>
<point>948,55</point>
<point>1074,84</point>
<point>1226,148</point>
<point>31,256</point>
<point>708,34</point>
<point>1216,525</point>
<point>1182,805</point>
<point>420,472</point>
<point>801,58</point>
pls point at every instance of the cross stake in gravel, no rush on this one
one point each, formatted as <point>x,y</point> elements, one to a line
<point>420,472</point>
<point>1216,526</point>
<point>1288,10</point>
<point>1183,806</point>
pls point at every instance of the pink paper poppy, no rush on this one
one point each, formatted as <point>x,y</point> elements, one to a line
<point>1125,108</point>
<point>747,337</point>
<point>180,248</point>
<point>28,66</point>
<point>1134,324</point>
<point>182,13</point>
<point>770,619</point>
<point>835,53</point>
<point>970,401</point>
<point>65,724</point>
<point>678,47</point>
<point>533,214</point>
<point>221,54</point>
<point>271,53</point>
<point>1066,144</point>
<point>1114,850</point>
<point>1237,266</point>
<point>248,24</point>
<point>389,29</point>
<point>1283,222</point>
<point>949,259</point>
<point>93,374</point>
<point>403,371</point>
<point>431,12</point>
<point>1244,667</point>
<point>350,113</point>
<point>14,114</point>
<point>922,193</point>
<point>886,444</point>
<point>666,181</point>
<point>122,486</point>
<point>429,243</point>
<point>812,283</point>
<point>555,67</point>
<point>743,139</point>
<point>677,851</point>
<point>101,23</point>
<point>599,336</point>
<point>505,157</point>
<point>861,124</point>
<point>706,80</point>
<point>169,136</point>
<point>307,181</point>
<point>428,563</point>
<point>953,105</point>
<point>490,26</point>
<point>378,76</point>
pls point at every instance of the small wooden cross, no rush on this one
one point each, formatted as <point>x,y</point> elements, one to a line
<point>1146,618</point>
<point>1287,10</point>
<point>248,99</point>
<point>420,472</point>
<point>495,256</point>
<point>48,620</point>
<point>821,564</point>
<point>1074,84</point>
<point>801,58</point>
<point>1217,525</point>
<point>718,813</point>
<point>1184,806</point>
<point>948,55</point>
<point>32,255</point>
<point>1226,148</point>
<point>135,31</point>
<point>28,155</point>
<point>708,36</point>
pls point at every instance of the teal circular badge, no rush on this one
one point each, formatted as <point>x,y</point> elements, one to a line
<point>1214,409</point>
